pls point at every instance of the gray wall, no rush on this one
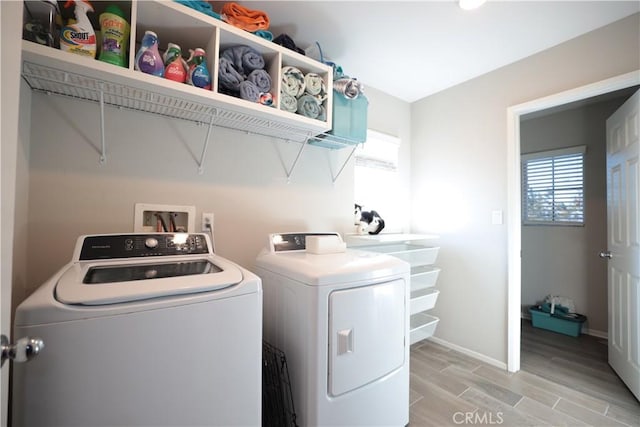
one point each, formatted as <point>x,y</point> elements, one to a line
<point>562,260</point>
<point>459,174</point>
<point>152,160</point>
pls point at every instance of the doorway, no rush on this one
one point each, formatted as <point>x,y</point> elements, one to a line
<point>566,228</point>
<point>514,115</point>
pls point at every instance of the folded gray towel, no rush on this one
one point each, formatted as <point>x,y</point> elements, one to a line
<point>261,79</point>
<point>249,91</point>
<point>244,58</point>
<point>228,77</point>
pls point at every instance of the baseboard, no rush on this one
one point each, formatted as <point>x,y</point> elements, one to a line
<point>595,333</point>
<point>491,361</point>
<point>586,331</point>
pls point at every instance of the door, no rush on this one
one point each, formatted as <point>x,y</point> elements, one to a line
<point>367,334</point>
<point>10,53</point>
<point>623,236</point>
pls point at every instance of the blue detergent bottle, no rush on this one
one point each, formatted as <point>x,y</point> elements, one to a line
<point>198,74</point>
<point>148,59</point>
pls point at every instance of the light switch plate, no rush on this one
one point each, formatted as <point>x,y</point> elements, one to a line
<point>496,218</point>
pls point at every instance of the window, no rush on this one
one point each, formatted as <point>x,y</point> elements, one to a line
<point>553,187</point>
<point>377,182</point>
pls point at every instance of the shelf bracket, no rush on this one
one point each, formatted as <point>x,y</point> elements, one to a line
<point>334,178</point>
<point>295,161</point>
<point>203,155</point>
<point>103,144</point>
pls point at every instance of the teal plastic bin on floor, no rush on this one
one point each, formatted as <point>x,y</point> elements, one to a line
<point>564,324</point>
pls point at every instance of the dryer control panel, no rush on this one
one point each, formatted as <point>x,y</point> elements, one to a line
<point>286,242</point>
<point>111,246</point>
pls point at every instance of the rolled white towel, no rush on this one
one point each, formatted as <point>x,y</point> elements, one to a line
<point>314,85</point>
<point>292,81</point>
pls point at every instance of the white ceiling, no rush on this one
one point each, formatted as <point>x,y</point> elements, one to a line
<point>412,49</point>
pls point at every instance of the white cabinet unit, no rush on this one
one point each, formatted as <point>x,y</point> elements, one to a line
<point>53,71</point>
<point>420,252</point>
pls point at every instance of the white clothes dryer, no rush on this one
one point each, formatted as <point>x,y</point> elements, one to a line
<point>342,320</point>
<point>142,329</point>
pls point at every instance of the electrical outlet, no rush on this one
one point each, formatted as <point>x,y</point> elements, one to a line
<point>207,221</point>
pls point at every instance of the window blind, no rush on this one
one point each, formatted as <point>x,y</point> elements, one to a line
<point>380,151</point>
<point>553,187</point>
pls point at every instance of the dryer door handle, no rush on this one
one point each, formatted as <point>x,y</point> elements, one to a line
<point>345,341</point>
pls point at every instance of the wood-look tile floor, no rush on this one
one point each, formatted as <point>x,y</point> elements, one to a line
<point>563,381</point>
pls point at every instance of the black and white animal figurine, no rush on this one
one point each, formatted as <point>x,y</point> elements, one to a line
<point>367,221</point>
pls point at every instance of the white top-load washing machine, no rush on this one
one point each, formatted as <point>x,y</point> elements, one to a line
<point>142,329</point>
<point>341,316</point>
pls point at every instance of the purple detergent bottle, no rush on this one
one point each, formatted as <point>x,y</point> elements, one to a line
<point>148,59</point>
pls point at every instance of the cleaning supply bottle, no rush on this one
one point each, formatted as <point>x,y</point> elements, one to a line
<point>198,75</point>
<point>115,36</point>
<point>79,37</point>
<point>148,59</point>
<point>175,66</point>
<point>42,22</point>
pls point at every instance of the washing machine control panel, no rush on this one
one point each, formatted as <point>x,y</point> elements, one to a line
<point>108,246</point>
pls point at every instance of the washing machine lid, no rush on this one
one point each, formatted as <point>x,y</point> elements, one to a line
<point>99,283</point>
<point>117,268</point>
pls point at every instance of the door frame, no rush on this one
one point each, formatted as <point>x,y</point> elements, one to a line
<point>514,222</point>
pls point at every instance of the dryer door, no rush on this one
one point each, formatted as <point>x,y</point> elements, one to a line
<point>367,334</point>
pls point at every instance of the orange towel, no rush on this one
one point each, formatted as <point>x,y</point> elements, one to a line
<point>241,17</point>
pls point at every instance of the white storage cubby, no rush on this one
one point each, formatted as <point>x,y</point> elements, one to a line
<point>420,252</point>
<point>423,326</point>
<point>53,71</point>
<point>424,276</point>
<point>415,255</point>
<point>306,65</point>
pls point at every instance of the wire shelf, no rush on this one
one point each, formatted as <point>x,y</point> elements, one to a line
<point>68,84</point>
<point>61,82</point>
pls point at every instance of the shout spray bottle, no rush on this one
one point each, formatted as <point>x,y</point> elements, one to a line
<point>79,37</point>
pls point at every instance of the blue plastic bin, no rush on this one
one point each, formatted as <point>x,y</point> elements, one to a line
<point>350,117</point>
<point>567,325</point>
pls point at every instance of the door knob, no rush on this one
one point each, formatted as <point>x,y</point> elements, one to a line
<point>605,254</point>
<point>23,350</point>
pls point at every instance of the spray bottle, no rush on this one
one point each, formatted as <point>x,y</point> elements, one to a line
<point>79,37</point>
